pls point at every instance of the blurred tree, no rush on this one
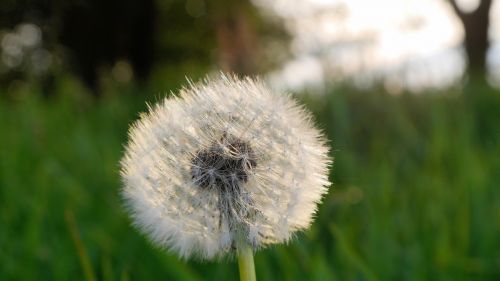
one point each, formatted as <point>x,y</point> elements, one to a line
<point>104,31</point>
<point>100,32</point>
<point>92,33</point>
<point>237,41</point>
<point>163,36</point>
<point>475,24</point>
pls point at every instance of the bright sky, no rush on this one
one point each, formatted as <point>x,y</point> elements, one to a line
<point>410,43</point>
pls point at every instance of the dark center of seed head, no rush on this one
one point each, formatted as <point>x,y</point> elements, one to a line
<point>224,164</point>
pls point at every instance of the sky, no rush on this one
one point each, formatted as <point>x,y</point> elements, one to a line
<point>407,44</point>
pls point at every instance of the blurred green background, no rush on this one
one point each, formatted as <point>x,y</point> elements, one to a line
<point>417,148</point>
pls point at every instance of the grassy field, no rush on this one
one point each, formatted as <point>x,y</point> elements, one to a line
<point>415,196</point>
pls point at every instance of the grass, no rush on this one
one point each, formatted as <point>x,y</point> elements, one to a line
<point>416,193</point>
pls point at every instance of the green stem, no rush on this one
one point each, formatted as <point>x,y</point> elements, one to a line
<point>245,262</point>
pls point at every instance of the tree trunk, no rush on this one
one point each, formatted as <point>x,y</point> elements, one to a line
<point>476,40</point>
<point>237,40</point>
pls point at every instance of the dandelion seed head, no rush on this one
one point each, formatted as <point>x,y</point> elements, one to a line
<point>227,160</point>
<point>226,163</point>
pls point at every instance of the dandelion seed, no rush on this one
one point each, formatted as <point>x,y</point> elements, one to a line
<point>227,161</point>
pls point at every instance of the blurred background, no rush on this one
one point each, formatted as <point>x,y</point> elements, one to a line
<point>407,92</point>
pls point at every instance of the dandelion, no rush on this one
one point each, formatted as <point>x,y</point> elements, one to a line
<point>226,165</point>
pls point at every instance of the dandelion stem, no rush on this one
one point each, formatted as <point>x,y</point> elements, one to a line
<point>245,262</point>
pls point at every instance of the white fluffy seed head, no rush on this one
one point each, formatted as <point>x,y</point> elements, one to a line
<point>227,161</point>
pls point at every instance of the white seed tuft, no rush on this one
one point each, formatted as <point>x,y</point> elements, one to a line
<point>226,161</point>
